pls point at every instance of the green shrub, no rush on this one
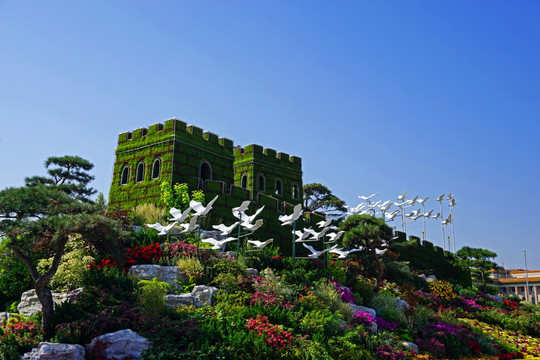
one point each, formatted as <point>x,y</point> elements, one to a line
<point>143,214</point>
<point>328,294</point>
<point>192,268</point>
<point>71,271</point>
<point>118,284</point>
<point>152,294</point>
<point>14,277</point>
<point>387,308</point>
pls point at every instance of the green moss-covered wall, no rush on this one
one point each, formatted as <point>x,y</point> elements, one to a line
<point>424,256</point>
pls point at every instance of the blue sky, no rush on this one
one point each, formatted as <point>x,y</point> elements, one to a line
<point>376,97</point>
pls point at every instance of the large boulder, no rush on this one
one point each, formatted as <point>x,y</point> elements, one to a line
<point>176,300</point>
<point>54,351</point>
<point>30,304</point>
<point>203,294</point>
<point>167,274</point>
<point>410,346</point>
<point>119,344</point>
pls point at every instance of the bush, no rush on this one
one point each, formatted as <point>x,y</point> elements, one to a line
<point>327,293</point>
<point>71,271</point>
<point>147,214</point>
<point>192,268</point>
<point>442,289</point>
<point>152,294</point>
<point>14,277</point>
<point>387,308</point>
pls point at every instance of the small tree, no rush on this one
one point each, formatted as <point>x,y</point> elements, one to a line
<point>178,195</point>
<point>369,233</point>
<point>39,217</point>
<point>480,261</point>
<point>318,197</point>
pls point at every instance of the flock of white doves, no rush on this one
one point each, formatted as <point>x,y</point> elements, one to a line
<point>189,220</point>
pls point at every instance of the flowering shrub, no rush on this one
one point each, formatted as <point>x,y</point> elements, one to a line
<point>143,255</point>
<point>521,343</point>
<point>387,351</point>
<point>269,299</point>
<point>510,305</point>
<point>346,293</point>
<point>28,334</point>
<point>273,335</point>
<point>383,324</point>
<point>178,249</point>
<point>442,289</point>
<point>362,318</point>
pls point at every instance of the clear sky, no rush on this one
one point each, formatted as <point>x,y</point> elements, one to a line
<point>374,96</point>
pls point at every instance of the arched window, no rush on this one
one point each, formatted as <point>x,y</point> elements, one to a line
<point>261,182</point>
<point>295,192</point>
<point>205,171</point>
<point>124,178</point>
<point>244,181</point>
<point>156,168</point>
<point>279,187</point>
<point>140,172</point>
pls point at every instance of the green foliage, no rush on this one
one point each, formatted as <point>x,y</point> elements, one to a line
<point>148,214</point>
<point>14,276</point>
<point>327,293</point>
<point>480,261</point>
<point>318,197</point>
<point>387,308</point>
<point>152,294</point>
<point>178,195</point>
<point>369,233</point>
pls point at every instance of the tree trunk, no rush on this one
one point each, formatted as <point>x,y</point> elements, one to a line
<point>380,274</point>
<point>44,295</point>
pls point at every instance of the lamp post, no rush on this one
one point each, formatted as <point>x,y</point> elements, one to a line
<point>526,277</point>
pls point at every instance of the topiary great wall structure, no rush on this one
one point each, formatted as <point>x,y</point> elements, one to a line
<point>177,153</point>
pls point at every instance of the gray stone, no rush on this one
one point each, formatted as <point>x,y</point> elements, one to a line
<point>496,298</point>
<point>357,308</point>
<point>203,294</point>
<point>118,344</point>
<point>252,271</point>
<point>431,278</point>
<point>54,351</point>
<point>373,327</point>
<point>176,300</point>
<point>30,304</point>
<point>5,316</point>
<point>411,346</point>
<point>402,304</point>
<point>167,274</point>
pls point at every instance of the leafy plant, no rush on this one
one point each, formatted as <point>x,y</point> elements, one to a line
<point>152,294</point>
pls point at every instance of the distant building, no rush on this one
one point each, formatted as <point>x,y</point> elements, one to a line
<point>514,282</point>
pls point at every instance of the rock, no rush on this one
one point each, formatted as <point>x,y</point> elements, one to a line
<point>423,277</point>
<point>5,316</point>
<point>357,308</point>
<point>410,346</point>
<point>54,351</point>
<point>167,274</point>
<point>402,304</point>
<point>176,300</point>
<point>496,298</point>
<point>373,327</point>
<point>253,272</point>
<point>30,304</point>
<point>211,234</point>
<point>431,278</point>
<point>203,294</point>
<point>119,344</point>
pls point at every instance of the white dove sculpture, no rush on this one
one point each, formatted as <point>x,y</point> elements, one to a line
<point>252,227</point>
<point>165,230</point>
<point>436,217</point>
<point>260,244</point>
<point>440,198</point>
<point>218,244</point>
<point>289,219</point>
<point>179,215</point>
<point>238,212</point>
<point>366,198</point>
<point>448,220</point>
<point>428,214</point>
<point>324,223</point>
<point>403,196</point>
<point>314,253</point>
<point>192,225</point>
<point>249,219</point>
<point>225,230</point>
<point>303,235</point>
<point>201,210</point>
<point>392,215</point>
<point>343,253</point>
<point>422,201</point>
<point>335,236</point>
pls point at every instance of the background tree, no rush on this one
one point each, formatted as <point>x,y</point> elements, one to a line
<point>37,219</point>
<point>369,233</point>
<point>318,197</point>
<point>480,261</point>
